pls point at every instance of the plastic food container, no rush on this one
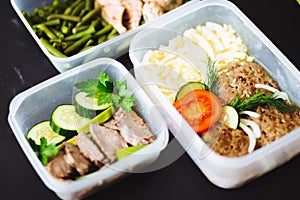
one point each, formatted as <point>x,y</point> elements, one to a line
<point>36,104</point>
<point>112,48</point>
<point>223,171</point>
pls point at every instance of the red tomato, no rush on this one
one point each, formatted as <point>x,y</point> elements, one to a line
<point>200,108</point>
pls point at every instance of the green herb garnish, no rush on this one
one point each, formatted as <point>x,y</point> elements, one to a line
<point>103,89</point>
<point>260,98</point>
<point>212,74</point>
<point>44,151</point>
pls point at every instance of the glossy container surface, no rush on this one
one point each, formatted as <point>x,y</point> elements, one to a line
<point>113,48</point>
<point>36,104</point>
<point>223,171</point>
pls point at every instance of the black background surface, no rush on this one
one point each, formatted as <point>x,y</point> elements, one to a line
<point>23,65</point>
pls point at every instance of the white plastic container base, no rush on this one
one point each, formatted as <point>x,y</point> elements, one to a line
<point>222,171</point>
<point>112,48</point>
<point>36,104</point>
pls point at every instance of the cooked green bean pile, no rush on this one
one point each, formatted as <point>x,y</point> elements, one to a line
<point>68,27</point>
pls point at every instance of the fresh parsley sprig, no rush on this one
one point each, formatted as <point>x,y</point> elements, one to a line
<point>43,151</point>
<point>103,90</point>
<point>260,98</point>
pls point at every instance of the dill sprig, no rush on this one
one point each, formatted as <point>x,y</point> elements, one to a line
<point>212,75</point>
<point>260,98</point>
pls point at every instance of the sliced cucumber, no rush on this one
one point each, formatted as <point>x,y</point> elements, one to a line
<point>65,121</point>
<point>230,117</point>
<point>99,119</point>
<point>43,129</point>
<point>186,88</point>
<point>87,106</point>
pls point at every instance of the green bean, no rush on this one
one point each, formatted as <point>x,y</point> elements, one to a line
<point>65,45</point>
<point>36,19</point>
<point>39,12</point>
<point>101,39</point>
<point>89,16</point>
<point>24,13</point>
<point>64,28</point>
<point>82,13</point>
<point>89,42</point>
<point>103,31</point>
<point>112,34</point>
<point>77,9</point>
<point>67,27</point>
<point>53,22</point>
<point>89,4</point>
<point>51,49</point>
<point>64,17</point>
<point>73,5</point>
<point>78,35</point>
<point>96,22</point>
<point>79,28</point>
<point>57,40</point>
<point>77,45</point>
<point>58,34</point>
<point>46,30</point>
<point>85,48</point>
<point>38,32</point>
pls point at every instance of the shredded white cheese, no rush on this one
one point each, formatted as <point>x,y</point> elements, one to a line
<point>220,43</point>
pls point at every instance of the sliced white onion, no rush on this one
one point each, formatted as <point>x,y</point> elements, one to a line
<point>277,94</point>
<point>252,139</point>
<point>250,113</point>
<point>254,127</point>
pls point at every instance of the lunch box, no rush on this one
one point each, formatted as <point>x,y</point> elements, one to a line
<point>222,171</point>
<point>113,48</point>
<point>36,104</point>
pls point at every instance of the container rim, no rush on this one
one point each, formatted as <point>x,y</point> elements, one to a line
<point>236,162</point>
<point>100,176</point>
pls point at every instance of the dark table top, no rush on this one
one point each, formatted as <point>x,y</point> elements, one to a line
<point>23,65</point>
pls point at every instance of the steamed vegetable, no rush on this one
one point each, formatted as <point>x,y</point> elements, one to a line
<point>43,129</point>
<point>65,121</point>
<point>68,27</point>
<point>88,106</point>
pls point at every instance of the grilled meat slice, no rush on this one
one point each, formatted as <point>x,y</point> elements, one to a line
<point>108,140</point>
<point>113,14</point>
<point>58,166</point>
<point>151,11</point>
<point>89,149</point>
<point>75,159</point>
<point>101,3</point>
<point>166,5</point>
<point>133,12</point>
<point>133,129</point>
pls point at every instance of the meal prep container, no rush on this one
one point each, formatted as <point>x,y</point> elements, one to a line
<point>223,171</point>
<point>37,103</point>
<point>112,48</point>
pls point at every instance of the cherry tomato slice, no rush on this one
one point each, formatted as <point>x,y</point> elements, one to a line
<point>200,108</point>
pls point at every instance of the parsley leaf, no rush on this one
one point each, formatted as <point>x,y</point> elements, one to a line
<point>126,100</point>
<point>103,90</point>
<point>43,151</point>
<point>46,151</point>
<point>104,79</point>
<point>89,87</point>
